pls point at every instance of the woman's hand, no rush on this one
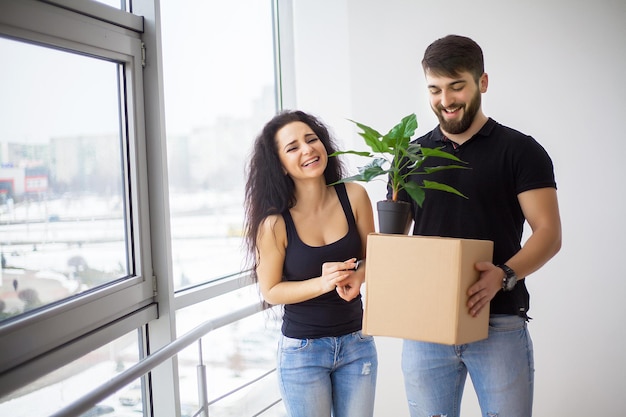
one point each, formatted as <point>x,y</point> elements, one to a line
<point>333,273</point>
<point>349,285</point>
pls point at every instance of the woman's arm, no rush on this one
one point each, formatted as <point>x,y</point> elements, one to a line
<point>271,244</point>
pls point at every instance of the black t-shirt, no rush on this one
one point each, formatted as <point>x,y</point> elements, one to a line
<point>327,315</point>
<point>502,163</point>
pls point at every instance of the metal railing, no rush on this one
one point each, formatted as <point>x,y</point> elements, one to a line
<point>146,365</point>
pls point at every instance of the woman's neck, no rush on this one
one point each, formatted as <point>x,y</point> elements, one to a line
<point>311,196</point>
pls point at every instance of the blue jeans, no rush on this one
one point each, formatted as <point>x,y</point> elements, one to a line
<point>501,368</point>
<point>338,374</point>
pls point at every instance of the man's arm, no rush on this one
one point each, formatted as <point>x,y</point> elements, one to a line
<point>541,211</point>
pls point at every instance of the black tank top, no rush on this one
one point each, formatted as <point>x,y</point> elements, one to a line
<point>327,315</point>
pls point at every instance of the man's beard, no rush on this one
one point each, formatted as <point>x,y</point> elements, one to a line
<point>460,126</point>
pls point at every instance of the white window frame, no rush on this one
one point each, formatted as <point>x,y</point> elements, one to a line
<point>35,344</point>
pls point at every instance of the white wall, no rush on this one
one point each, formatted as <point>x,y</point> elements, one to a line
<point>556,72</point>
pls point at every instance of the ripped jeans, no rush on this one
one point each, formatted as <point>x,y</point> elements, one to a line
<point>329,373</point>
<point>501,368</point>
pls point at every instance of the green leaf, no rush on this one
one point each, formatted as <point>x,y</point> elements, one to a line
<point>396,157</point>
<point>414,156</point>
<point>430,170</point>
<point>372,170</point>
<point>366,129</point>
<point>428,152</point>
<point>353,178</point>
<point>400,135</point>
<point>359,153</point>
<point>378,145</point>
<point>432,185</point>
<point>416,192</point>
<point>372,138</point>
<point>414,148</point>
<point>404,129</point>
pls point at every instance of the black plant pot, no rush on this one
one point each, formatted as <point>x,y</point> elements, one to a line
<point>394,217</point>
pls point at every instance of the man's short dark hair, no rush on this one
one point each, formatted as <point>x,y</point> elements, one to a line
<point>453,54</point>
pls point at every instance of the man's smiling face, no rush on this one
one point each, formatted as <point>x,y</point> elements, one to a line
<point>455,101</point>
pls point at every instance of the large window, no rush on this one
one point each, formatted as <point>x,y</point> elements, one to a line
<point>48,394</point>
<point>219,85</point>
<point>74,236</point>
<point>121,183</point>
<point>220,89</point>
<point>62,200</point>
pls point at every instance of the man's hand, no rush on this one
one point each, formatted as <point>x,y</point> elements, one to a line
<point>487,286</point>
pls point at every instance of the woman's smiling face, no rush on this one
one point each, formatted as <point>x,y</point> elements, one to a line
<point>300,151</point>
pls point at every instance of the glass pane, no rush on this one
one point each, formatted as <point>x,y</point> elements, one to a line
<point>67,384</point>
<point>234,355</point>
<point>62,228</point>
<point>219,91</point>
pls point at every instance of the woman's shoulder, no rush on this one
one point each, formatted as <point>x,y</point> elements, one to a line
<point>273,227</point>
<point>272,221</point>
<point>359,200</point>
<point>356,191</point>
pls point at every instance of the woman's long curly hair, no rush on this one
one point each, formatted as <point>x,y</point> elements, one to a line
<point>268,189</point>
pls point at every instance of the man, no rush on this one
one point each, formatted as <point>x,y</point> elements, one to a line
<point>510,180</point>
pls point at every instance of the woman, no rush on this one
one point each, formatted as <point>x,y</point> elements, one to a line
<point>306,237</point>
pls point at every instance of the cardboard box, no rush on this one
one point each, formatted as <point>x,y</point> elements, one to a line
<point>416,288</point>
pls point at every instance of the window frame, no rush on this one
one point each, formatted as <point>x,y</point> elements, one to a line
<point>33,344</point>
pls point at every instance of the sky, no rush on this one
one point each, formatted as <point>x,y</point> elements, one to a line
<point>216,57</point>
<point>47,92</point>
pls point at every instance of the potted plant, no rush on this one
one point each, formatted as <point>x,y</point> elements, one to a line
<point>394,156</point>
